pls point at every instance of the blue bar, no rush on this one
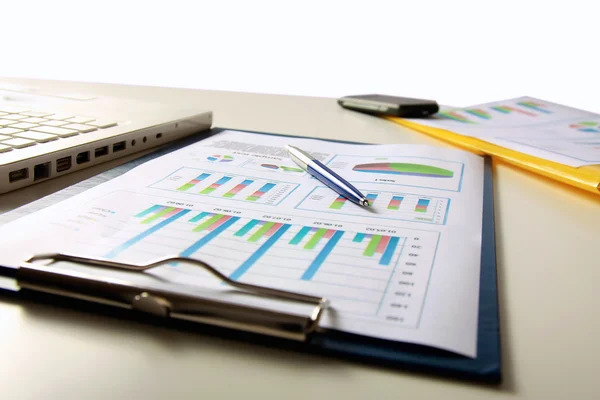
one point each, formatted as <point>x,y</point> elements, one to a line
<point>200,216</point>
<point>202,177</point>
<point>246,228</point>
<point>223,180</point>
<point>316,264</point>
<point>242,269</point>
<point>389,251</point>
<point>359,237</point>
<point>300,235</point>
<point>196,246</point>
<point>148,211</point>
<point>247,182</point>
<point>371,196</point>
<point>266,187</point>
<point>423,202</point>
<point>113,253</point>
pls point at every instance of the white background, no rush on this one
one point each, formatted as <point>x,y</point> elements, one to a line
<point>457,52</point>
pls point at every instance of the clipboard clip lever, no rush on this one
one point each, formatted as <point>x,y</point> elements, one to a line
<point>48,278</point>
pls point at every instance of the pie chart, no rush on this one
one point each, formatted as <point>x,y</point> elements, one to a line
<point>393,168</point>
<point>219,158</point>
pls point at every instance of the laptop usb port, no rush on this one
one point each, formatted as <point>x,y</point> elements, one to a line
<point>41,171</point>
<point>18,175</point>
<point>118,146</point>
<point>83,157</point>
<point>101,151</point>
<point>63,164</point>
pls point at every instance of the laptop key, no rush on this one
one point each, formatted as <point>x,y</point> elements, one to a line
<point>7,122</point>
<point>55,123</point>
<point>4,149</point>
<point>81,127</point>
<point>4,137</point>
<point>18,143</point>
<point>80,120</point>
<point>102,124</point>
<point>24,125</point>
<point>15,117</point>
<point>37,136</point>
<point>34,120</point>
<point>35,113</point>
<point>54,130</point>
<point>10,131</point>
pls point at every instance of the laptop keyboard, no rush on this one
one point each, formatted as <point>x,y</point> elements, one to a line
<point>21,127</point>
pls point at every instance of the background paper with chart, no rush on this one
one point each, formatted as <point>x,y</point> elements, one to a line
<point>405,269</point>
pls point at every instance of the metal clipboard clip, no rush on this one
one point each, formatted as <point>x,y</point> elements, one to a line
<point>168,304</point>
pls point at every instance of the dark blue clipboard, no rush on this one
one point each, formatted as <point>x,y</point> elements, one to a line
<point>485,368</point>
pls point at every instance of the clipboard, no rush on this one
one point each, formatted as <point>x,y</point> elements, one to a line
<point>298,332</point>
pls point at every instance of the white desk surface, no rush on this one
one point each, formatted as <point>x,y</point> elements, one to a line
<point>549,289</point>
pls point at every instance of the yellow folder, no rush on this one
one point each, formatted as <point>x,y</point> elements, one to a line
<point>586,178</point>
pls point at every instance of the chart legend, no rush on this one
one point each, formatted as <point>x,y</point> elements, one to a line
<point>192,181</point>
<point>385,205</point>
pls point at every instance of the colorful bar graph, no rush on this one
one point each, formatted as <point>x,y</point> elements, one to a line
<point>338,203</point>
<point>214,218</point>
<point>314,240</point>
<point>394,204</point>
<point>150,210</point>
<point>322,256</point>
<point>162,212</point>
<point>216,185</point>
<point>453,115</point>
<point>300,235</point>
<point>242,269</point>
<point>372,246</point>
<point>200,216</point>
<point>382,245</point>
<point>208,237</point>
<point>386,258</point>
<point>247,228</point>
<point>478,112</point>
<point>119,249</point>
<point>238,188</point>
<point>261,232</point>
<point>260,192</point>
<point>358,238</point>
<point>371,197</point>
<point>193,182</point>
<point>422,205</point>
<point>509,109</point>
<point>535,106</point>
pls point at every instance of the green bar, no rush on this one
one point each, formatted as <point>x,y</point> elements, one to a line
<point>158,215</point>
<point>370,250</point>
<point>208,190</point>
<point>393,207</point>
<point>336,205</point>
<point>251,198</point>
<point>258,234</point>
<point>229,195</point>
<point>208,223</point>
<point>291,169</point>
<point>312,243</point>
<point>185,187</point>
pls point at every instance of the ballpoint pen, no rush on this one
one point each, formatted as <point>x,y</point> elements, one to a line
<point>327,176</point>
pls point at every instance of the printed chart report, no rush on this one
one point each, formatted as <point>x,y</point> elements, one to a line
<point>406,269</point>
<point>536,127</point>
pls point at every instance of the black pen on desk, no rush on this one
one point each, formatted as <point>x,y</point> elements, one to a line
<point>327,176</point>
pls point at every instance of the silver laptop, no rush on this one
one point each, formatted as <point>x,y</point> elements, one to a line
<point>45,134</point>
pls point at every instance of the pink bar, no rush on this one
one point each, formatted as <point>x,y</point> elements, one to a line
<point>193,181</point>
<point>273,229</point>
<point>329,233</point>
<point>220,222</point>
<point>258,193</point>
<point>236,189</point>
<point>382,244</point>
<point>521,111</point>
<point>170,214</point>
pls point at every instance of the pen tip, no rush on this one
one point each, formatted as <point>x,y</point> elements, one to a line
<point>365,203</point>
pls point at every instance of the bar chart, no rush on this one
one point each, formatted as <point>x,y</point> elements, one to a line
<point>362,269</point>
<point>226,186</point>
<point>481,114</point>
<point>387,205</point>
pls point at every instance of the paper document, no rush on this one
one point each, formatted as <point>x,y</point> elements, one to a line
<point>539,128</point>
<point>405,269</point>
